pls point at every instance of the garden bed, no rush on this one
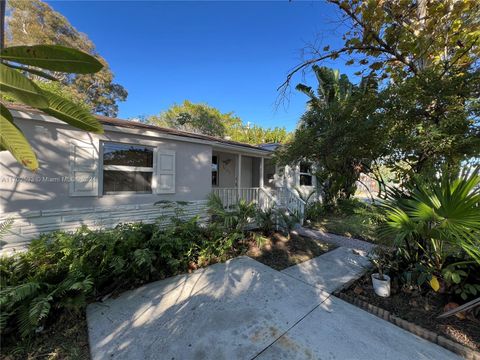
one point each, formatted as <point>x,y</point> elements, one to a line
<point>66,338</point>
<point>421,309</point>
<point>66,335</point>
<point>280,252</point>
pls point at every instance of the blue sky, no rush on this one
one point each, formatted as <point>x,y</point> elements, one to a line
<point>231,55</point>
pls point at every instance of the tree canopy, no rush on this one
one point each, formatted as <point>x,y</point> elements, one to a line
<point>34,22</point>
<point>205,119</point>
<point>423,115</point>
<point>339,132</point>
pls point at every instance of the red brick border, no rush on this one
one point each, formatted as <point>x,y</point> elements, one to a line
<point>451,345</point>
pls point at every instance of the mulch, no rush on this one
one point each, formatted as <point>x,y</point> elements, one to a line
<point>422,308</point>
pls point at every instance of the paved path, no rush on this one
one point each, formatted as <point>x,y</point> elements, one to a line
<point>331,271</point>
<point>243,309</point>
<point>336,239</point>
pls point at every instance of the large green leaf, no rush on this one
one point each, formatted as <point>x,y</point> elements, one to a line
<point>21,88</point>
<point>13,140</point>
<point>32,71</point>
<point>53,57</point>
<point>71,113</point>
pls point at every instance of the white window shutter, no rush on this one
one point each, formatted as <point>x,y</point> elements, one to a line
<point>83,169</point>
<point>165,172</point>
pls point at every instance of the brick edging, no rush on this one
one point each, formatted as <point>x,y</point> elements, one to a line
<point>451,345</point>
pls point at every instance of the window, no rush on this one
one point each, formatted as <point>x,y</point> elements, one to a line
<point>214,170</point>
<point>127,168</point>
<point>305,174</point>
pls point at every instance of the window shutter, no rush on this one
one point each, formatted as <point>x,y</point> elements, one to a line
<point>83,169</point>
<point>165,171</point>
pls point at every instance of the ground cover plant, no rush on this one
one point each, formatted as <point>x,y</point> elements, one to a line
<point>44,291</point>
<point>434,255</point>
<point>351,218</point>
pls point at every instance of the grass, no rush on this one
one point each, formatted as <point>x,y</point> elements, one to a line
<point>355,219</point>
<point>354,226</point>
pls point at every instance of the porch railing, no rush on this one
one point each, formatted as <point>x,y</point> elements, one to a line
<point>265,199</point>
<point>292,202</point>
<point>230,196</point>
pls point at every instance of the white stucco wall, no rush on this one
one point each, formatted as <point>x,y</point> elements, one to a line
<point>40,201</point>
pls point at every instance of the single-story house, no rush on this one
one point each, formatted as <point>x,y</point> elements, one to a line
<point>103,180</point>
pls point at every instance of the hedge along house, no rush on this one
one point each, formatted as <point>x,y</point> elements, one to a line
<point>103,180</point>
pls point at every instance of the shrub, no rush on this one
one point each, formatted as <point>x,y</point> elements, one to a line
<point>64,271</point>
<point>233,218</point>
<point>266,220</point>
<point>436,227</point>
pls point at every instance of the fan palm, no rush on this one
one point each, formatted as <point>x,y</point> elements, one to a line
<point>438,218</point>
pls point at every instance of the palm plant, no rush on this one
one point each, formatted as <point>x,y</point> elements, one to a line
<point>437,219</point>
<point>234,217</point>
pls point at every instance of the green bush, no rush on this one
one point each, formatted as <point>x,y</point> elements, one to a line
<point>64,271</point>
<point>436,227</point>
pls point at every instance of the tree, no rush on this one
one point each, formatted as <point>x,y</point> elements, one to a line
<point>200,118</point>
<point>34,22</point>
<point>426,56</point>
<point>339,132</point>
<point>205,119</point>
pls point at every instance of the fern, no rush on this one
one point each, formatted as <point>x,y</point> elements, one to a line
<point>39,308</point>
<point>20,292</point>
<point>5,227</point>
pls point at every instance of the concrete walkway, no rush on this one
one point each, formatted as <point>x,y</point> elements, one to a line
<point>243,309</point>
<point>331,271</point>
<point>335,239</point>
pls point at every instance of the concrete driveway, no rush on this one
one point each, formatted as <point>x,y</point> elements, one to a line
<point>243,309</point>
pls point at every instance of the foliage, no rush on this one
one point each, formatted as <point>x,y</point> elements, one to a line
<point>200,118</point>
<point>436,227</point>
<point>205,119</point>
<point>234,218</point>
<point>266,221</point>
<point>399,39</point>
<point>381,257</point>
<point>35,22</point>
<point>5,227</point>
<point>351,218</point>
<point>286,221</point>
<point>425,56</point>
<point>314,210</point>
<point>20,87</point>
<point>63,271</point>
<point>339,132</point>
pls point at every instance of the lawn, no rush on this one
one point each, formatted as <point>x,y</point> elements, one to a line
<point>352,219</point>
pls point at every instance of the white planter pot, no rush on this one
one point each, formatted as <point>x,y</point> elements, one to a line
<point>381,287</point>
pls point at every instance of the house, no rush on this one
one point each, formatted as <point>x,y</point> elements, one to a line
<point>122,175</point>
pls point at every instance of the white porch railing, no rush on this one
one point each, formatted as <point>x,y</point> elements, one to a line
<point>292,202</point>
<point>265,199</point>
<point>230,196</point>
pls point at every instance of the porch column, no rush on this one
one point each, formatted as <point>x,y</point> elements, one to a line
<point>260,183</point>
<point>239,176</point>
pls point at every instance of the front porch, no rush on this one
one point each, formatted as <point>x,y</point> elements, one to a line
<point>238,177</point>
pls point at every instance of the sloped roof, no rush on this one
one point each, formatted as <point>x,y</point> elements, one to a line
<point>105,120</point>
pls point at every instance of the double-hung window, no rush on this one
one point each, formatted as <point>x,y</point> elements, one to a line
<point>306,178</point>
<point>127,168</point>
